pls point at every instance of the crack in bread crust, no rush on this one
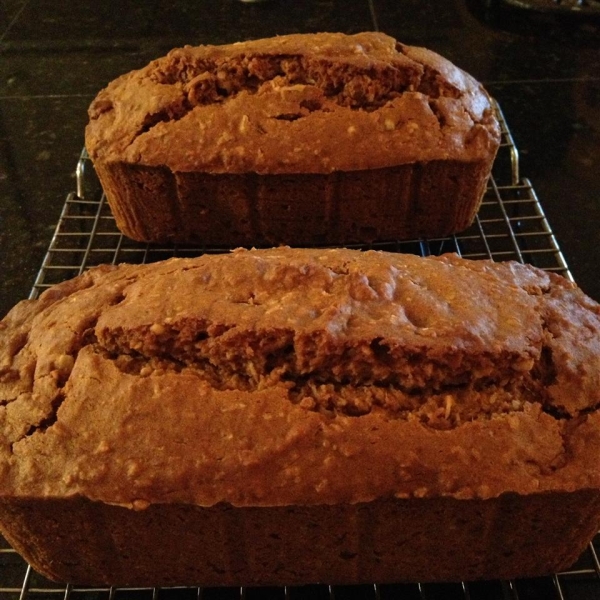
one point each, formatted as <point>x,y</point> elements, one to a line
<point>257,352</point>
<point>207,80</point>
<point>444,407</point>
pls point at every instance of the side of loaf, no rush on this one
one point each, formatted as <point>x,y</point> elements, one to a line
<point>329,387</point>
<point>299,139</point>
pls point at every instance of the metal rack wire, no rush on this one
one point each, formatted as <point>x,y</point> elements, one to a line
<point>511,225</point>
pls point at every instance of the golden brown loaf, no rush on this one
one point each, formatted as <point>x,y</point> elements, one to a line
<point>259,399</point>
<point>300,139</point>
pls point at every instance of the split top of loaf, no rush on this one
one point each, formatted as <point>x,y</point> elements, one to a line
<point>296,376</point>
<point>304,103</point>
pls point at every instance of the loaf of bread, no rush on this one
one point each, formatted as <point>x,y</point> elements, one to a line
<point>301,139</point>
<point>288,416</point>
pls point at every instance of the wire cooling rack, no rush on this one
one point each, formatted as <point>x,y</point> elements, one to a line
<point>511,225</point>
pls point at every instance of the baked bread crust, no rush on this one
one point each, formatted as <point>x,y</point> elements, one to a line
<point>289,115</point>
<point>293,104</point>
<point>274,378</point>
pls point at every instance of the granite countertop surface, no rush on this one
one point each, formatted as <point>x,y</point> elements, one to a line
<point>544,70</point>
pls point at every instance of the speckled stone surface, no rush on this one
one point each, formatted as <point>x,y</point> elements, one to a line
<point>544,71</point>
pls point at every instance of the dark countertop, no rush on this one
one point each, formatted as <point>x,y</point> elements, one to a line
<point>544,70</point>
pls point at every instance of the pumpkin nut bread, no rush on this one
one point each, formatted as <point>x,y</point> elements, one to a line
<point>289,416</point>
<point>300,139</point>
